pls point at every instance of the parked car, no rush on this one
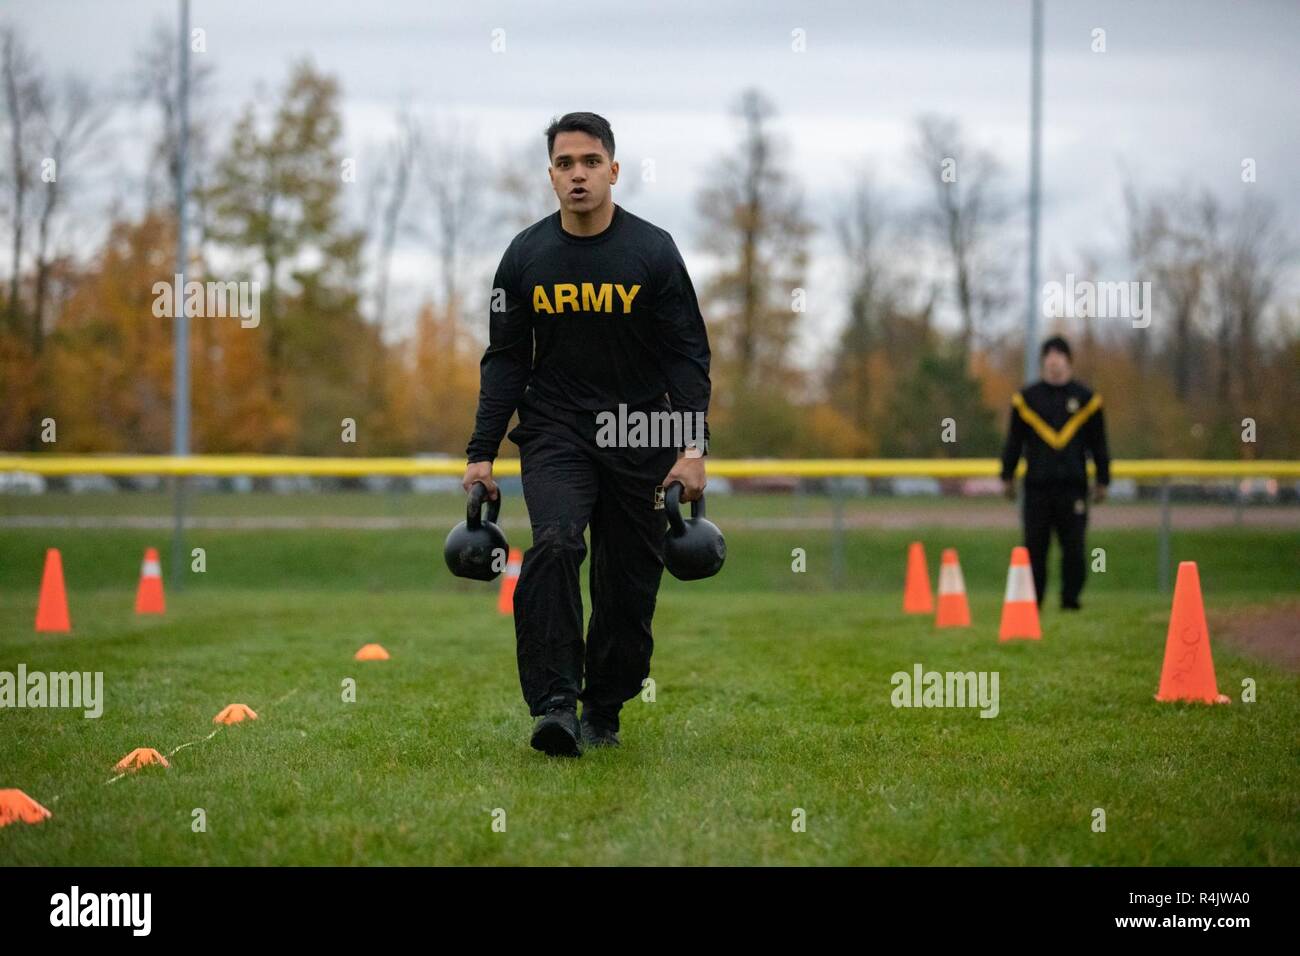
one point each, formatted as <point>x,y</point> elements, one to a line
<point>511,486</point>
<point>851,486</point>
<point>144,482</point>
<point>718,486</point>
<point>380,484</point>
<point>764,484</point>
<point>1258,489</point>
<point>434,484</point>
<point>204,484</point>
<point>91,484</point>
<point>1122,489</point>
<point>21,483</point>
<point>915,487</point>
<point>292,484</point>
<point>980,487</point>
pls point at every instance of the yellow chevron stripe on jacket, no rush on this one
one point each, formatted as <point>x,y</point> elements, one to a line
<point>1046,432</point>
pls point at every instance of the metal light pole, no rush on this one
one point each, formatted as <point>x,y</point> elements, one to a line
<point>181,339</point>
<point>1035,148</point>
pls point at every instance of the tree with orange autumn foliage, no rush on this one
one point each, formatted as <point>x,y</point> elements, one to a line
<point>432,384</point>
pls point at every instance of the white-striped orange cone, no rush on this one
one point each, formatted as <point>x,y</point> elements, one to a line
<point>506,596</point>
<point>953,609</point>
<point>1020,605</point>
<point>149,595</point>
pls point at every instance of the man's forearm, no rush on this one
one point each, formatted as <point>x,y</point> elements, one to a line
<point>684,343</point>
<point>502,386</point>
<point>1010,458</point>
<point>1012,447</point>
<point>506,365</point>
<point>1100,450</point>
<point>695,423</point>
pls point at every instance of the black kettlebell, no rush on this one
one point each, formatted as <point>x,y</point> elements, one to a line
<point>693,547</point>
<point>473,545</point>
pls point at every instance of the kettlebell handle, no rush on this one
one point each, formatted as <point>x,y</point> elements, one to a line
<point>673,504</point>
<point>474,508</point>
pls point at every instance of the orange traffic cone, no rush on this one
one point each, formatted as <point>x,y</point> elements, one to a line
<point>52,611</point>
<point>953,609</point>
<point>16,806</point>
<point>1020,606</point>
<point>1188,672</point>
<point>917,598</point>
<point>234,713</point>
<point>141,757</point>
<point>149,595</point>
<point>506,596</point>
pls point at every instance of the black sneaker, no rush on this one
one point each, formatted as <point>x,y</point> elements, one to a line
<point>599,730</point>
<point>558,734</point>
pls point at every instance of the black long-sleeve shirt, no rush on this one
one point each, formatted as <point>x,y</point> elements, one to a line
<point>588,323</point>
<point>1056,426</point>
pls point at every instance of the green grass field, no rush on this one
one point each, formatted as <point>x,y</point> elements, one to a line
<point>772,693</point>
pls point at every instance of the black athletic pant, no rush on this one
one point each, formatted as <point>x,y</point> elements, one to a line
<point>1063,509</point>
<point>569,484</point>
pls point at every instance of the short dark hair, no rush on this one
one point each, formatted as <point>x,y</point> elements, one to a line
<point>1055,344</point>
<point>593,124</point>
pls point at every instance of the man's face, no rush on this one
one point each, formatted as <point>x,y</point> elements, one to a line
<point>1056,368</point>
<point>581,172</point>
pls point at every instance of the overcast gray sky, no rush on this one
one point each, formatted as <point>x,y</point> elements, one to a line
<point>1184,91</point>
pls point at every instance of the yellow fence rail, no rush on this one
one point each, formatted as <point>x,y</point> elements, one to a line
<point>257,465</point>
<point>1163,472</point>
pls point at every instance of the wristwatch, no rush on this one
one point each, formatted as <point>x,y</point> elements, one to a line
<point>694,450</point>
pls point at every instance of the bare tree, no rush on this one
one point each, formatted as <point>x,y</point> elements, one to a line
<point>1145,227</point>
<point>386,202</point>
<point>754,221</point>
<point>1248,256</point>
<point>1182,269</point>
<point>69,123</point>
<point>24,94</point>
<point>966,221</point>
<point>860,230</point>
<point>1164,244</point>
<point>154,82</point>
<point>524,188</point>
<point>451,167</point>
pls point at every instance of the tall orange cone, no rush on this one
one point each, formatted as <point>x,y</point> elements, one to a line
<point>506,596</point>
<point>1020,605</point>
<point>149,595</point>
<point>953,609</point>
<point>1188,672</point>
<point>917,598</point>
<point>52,610</point>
